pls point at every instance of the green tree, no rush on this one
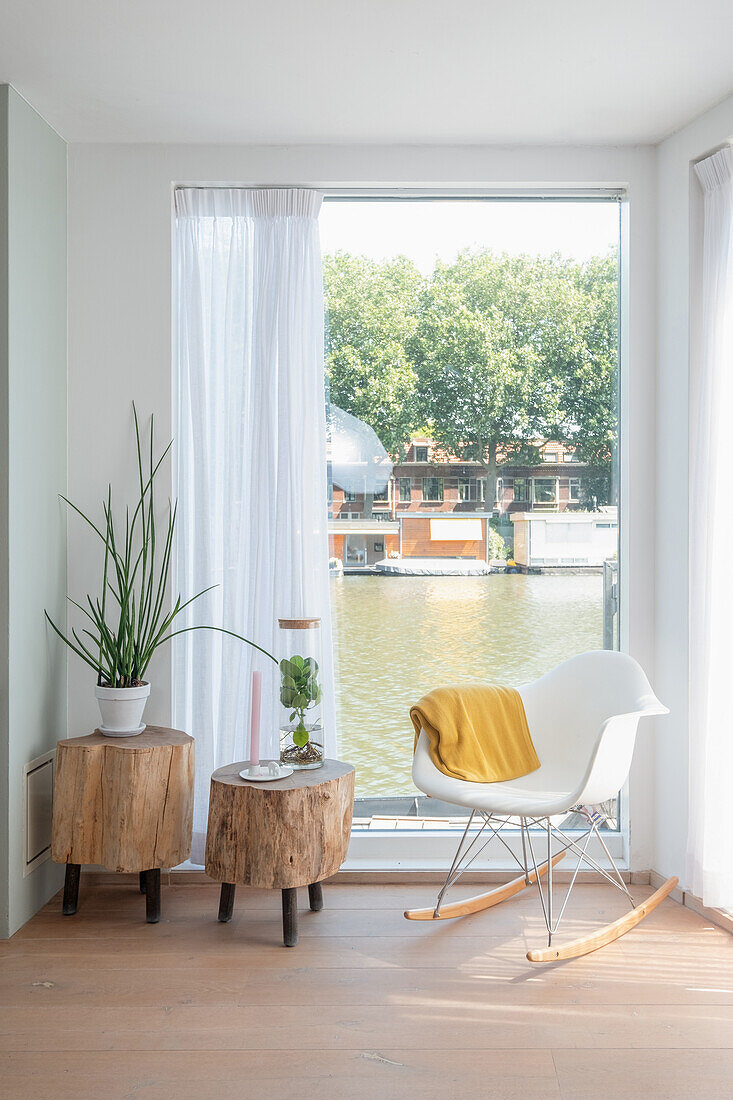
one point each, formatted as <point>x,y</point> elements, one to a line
<point>590,397</point>
<point>371,319</point>
<point>511,349</point>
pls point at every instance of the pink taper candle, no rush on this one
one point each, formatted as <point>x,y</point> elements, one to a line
<point>254,730</point>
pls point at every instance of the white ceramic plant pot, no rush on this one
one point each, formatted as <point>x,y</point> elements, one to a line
<point>122,709</point>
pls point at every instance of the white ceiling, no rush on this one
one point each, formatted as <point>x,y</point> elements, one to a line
<point>382,71</point>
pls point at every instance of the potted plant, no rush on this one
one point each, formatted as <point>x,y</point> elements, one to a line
<point>301,694</point>
<point>132,615</point>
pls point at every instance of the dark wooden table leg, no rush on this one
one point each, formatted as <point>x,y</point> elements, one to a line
<point>290,917</point>
<point>152,895</point>
<point>71,889</point>
<point>226,901</point>
<point>142,881</point>
<point>315,896</point>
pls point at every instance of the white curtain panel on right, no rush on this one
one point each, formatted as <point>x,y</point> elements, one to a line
<point>250,445</point>
<point>710,866</point>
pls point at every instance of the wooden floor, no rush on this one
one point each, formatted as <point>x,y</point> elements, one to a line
<point>368,1005</point>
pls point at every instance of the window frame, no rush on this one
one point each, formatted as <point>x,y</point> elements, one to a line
<point>434,500</point>
<point>421,447</point>
<point>402,499</point>
<point>554,481</point>
<point>430,849</point>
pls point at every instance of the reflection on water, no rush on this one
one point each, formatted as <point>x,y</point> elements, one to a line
<point>398,637</point>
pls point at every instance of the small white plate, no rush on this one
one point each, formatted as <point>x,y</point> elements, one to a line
<point>121,733</point>
<point>267,777</point>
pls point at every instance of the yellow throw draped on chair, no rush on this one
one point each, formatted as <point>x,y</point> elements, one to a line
<point>476,733</point>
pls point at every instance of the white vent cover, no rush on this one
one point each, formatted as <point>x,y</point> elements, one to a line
<point>38,799</point>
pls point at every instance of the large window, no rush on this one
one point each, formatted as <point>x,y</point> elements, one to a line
<point>488,331</point>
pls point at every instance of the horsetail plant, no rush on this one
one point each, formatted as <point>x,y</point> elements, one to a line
<point>132,617</point>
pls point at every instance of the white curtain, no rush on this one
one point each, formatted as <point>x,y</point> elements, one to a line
<point>710,850</point>
<point>250,446</point>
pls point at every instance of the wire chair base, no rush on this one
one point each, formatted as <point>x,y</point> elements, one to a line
<point>533,873</point>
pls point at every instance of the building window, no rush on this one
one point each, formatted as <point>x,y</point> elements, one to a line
<point>472,488</point>
<point>432,489</point>
<point>544,490</point>
<point>421,454</point>
<point>520,489</point>
<point>405,490</point>
<point>378,547</point>
<point>549,456</point>
<point>499,489</point>
<point>569,456</point>
<point>381,495</point>
<point>349,494</point>
<point>574,489</point>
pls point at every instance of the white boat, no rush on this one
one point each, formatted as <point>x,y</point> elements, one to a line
<point>432,567</point>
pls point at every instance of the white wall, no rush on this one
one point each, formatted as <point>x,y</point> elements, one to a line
<point>678,238</point>
<point>33,464</point>
<point>120,329</point>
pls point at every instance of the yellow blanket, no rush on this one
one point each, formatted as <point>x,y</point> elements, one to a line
<point>476,733</point>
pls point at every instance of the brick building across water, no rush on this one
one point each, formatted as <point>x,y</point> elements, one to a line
<point>434,505</point>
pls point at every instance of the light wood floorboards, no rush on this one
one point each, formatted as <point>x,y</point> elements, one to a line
<point>369,1005</point>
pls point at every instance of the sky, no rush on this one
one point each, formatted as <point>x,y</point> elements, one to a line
<point>425,231</point>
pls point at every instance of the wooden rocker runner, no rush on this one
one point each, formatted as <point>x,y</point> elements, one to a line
<point>583,717</point>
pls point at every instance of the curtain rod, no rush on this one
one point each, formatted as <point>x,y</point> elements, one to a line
<point>382,194</point>
<point>566,196</point>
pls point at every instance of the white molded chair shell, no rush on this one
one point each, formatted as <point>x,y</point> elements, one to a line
<point>583,717</point>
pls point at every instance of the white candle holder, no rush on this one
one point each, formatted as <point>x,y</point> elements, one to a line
<point>265,772</point>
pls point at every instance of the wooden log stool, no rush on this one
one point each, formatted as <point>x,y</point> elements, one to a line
<point>279,835</point>
<point>125,803</point>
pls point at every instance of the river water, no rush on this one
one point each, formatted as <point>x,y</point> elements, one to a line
<point>398,637</point>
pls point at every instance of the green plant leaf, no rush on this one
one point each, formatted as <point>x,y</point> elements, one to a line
<point>126,633</point>
<point>289,668</point>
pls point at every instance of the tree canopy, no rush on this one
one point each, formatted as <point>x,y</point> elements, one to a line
<point>488,354</point>
<point>371,320</point>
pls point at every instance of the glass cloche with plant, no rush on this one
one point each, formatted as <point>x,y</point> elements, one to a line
<point>301,693</point>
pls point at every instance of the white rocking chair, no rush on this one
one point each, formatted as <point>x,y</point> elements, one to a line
<point>583,718</point>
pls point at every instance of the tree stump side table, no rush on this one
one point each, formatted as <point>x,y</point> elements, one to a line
<point>125,803</point>
<point>279,835</point>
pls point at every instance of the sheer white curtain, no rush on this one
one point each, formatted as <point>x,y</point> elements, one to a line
<point>251,459</point>
<point>710,851</point>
